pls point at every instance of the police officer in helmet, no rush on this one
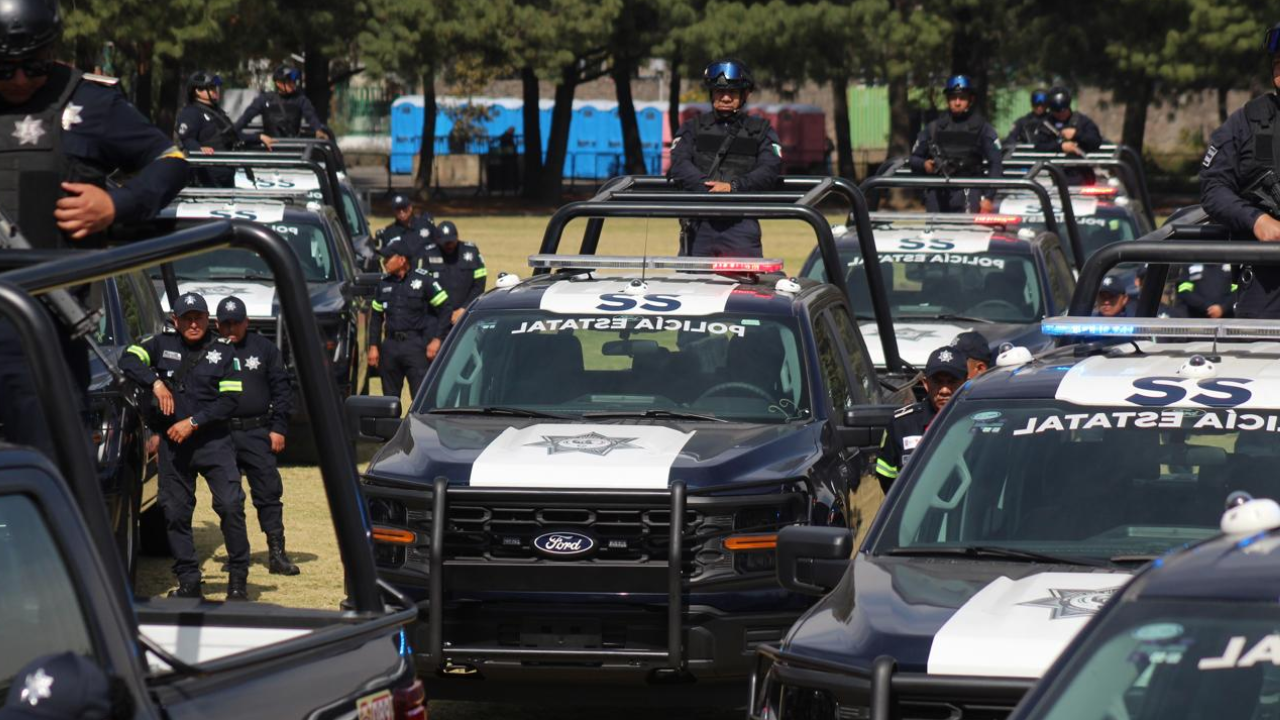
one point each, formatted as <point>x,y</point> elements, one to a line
<point>458,266</point>
<point>944,373</point>
<point>62,133</point>
<point>283,110</point>
<point>1021,134</point>
<point>725,150</point>
<point>1238,189</point>
<point>1064,130</point>
<point>204,128</point>
<point>955,145</point>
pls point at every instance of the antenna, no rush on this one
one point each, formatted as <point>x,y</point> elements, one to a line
<point>644,269</point>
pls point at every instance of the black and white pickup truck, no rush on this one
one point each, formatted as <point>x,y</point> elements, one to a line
<point>63,588</point>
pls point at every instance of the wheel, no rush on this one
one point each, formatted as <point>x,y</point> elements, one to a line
<point>128,529</point>
<point>733,386</point>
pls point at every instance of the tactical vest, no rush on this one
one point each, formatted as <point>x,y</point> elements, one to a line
<point>961,142</point>
<point>281,117</point>
<point>1262,112</point>
<point>220,132</point>
<point>740,156</point>
<point>34,162</point>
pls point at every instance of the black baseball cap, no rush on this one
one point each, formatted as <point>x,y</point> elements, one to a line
<point>947,359</point>
<point>52,687</point>
<point>974,345</point>
<point>189,302</point>
<point>394,246</point>
<point>446,232</point>
<point>400,202</point>
<point>231,309</point>
<point>1118,282</point>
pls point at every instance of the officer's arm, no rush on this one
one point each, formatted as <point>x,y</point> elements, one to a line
<point>1193,292</point>
<point>995,158</point>
<point>1015,133</point>
<point>889,459</point>
<point>309,114</point>
<point>764,176</point>
<point>442,305</point>
<point>683,170</point>
<point>1088,136</point>
<point>129,142</point>
<point>251,112</point>
<point>920,152</point>
<point>137,362</point>
<point>479,278</point>
<point>375,321</point>
<point>1220,178</point>
<point>281,388</point>
<point>188,131</point>
<point>230,388</point>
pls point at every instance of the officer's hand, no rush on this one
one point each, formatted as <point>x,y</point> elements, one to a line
<point>716,186</point>
<point>87,209</point>
<point>153,445</point>
<point>206,150</point>
<point>1214,311</point>
<point>163,396</point>
<point>986,205</point>
<point>433,348</point>
<point>373,357</point>
<point>181,430</point>
<point>277,442</point>
<point>1267,228</point>
<point>930,167</point>
<point>1069,133</point>
<point>267,140</point>
<point>1071,148</point>
<point>457,315</point>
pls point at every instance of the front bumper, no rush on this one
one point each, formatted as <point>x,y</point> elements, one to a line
<point>785,686</point>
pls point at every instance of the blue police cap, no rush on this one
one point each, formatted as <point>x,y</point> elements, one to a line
<point>231,309</point>
<point>1118,282</point>
<point>446,233</point>
<point>400,202</point>
<point>58,686</point>
<point>394,246</point>
<point>973,345</point>
<point>949,360</point>
<point>189,302</point>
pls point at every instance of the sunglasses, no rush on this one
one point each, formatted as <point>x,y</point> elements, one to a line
<point>31,67</point>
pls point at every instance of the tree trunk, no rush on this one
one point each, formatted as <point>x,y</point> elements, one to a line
<point>970,55</point>
<point>316,74</point>
<point>170,94</point>
<point>1223,111</point>
<point>844,143</point>
<point>558,142</point>
<point>427,154</point>
<point>532,134</point>
<point>899,117</point>
<point>633,150</point>
<point>142,93</point>
<point>673,97</point>
<point>1135,117</point>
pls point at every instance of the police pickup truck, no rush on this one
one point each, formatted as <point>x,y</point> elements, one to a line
<point>1040,486</point>
<point>1194,636</point>
<point>1104,217</point>
<point>62,589</point>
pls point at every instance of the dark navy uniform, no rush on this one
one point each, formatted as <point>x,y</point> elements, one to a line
<point>265,407</point>
<point>901,439</point>
<point>1023,132</point>
<point>200,126</point>
<point>1088,136</point>
<point>413,310</point>
<point>208,393</point>
<point>964,141</point>
<point>752,161</point>
<point>461,273</point>
<point>282,115</point>
<point>416,235</point>
<point>1240,152</point>
<point>1201,287</point>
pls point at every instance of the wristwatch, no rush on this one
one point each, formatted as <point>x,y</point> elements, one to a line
<point>192,420</point>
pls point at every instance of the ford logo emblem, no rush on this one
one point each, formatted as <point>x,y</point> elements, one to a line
<point>564,545</point>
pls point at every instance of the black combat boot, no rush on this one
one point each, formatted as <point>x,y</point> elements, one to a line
<point>237,586</point>
<point>278,561</point>
<point>187,590</point>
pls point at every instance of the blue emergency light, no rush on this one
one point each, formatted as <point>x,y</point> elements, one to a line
<point>1162,328</point>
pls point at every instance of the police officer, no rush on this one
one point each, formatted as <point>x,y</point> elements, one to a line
<point>65,686</point>
<point>955,145</point>
<point>1065,131</point>
<point>1236,188</point>
<point>458,266</point>
<point>416,227</point>
<point>260,424</point>
<point>414,311</point>
<point>282,111</point>
<point>725,150</point>
<point>205,129</point>
<point>197,382</point>
<point>976,350</point>
<point>945,372</point>
<point>1113,295</point>
<point>62,132</point>
<point>1021,134</point>
<point>1205,291</point>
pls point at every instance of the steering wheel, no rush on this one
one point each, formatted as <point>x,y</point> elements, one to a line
<point>993,307</point>
<point>734,386</point>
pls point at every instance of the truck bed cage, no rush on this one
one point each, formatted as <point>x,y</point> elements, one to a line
<point>1123,157</point>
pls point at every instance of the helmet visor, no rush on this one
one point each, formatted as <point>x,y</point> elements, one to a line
<point>1040,98</point>
<point>731,71</point>
<point>1272,42</point>
<point>958,85</point>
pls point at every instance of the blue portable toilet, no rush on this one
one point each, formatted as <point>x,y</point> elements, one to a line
<point>406,132</point>
<point>649,116</point>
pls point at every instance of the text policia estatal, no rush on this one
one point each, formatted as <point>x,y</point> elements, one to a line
<point>634,324</point>
<point>1164,419</point>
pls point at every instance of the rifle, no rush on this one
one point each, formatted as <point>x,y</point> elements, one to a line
<point>1265,191</point>
<point>946,166</point>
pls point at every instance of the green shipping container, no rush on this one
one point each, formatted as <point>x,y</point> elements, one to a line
<point>869,113</point>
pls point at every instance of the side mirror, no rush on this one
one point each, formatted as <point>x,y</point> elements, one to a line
<point>864,426</point>
<point>811,560</point>
<point>373,418</point>
<point>366,284</point>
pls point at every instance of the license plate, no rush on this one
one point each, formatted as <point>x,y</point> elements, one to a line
<point>377,706</point>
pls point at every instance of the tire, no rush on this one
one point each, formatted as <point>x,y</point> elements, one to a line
<point>128,531</point>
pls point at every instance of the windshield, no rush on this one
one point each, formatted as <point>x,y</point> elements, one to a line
<point>351,212</point>
<point>307,240</point>
<point>992,287</point>
<point>731,367</point>
<point>1173,659</point>
<point>1061,479</point>
<point>1109,225</point>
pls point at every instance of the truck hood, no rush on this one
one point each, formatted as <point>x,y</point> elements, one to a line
<point>953,617</point>
<point>919,338</point>
<point>537,453</point>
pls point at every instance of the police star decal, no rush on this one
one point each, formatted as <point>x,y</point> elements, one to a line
<point>1072,603</point>
<point>416,284</point>
<point>591,443</point>
<point>29,131</point>
<point>71,116</point>
<point>253,363</point>
<point>214,357</point>
<point>37,686</point>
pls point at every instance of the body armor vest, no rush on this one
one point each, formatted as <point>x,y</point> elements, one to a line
<point>220,132</point>
<point>740,156</point>
<point>34,162</point>
<point>961,141</point>
<point>282,117</point>
<point>1262,113</point>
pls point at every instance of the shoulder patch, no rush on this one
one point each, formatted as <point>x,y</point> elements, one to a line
<point>904,411</point>
<point>1209,155</point>
<point>224,341</point>
<point>106,80</point>
<point>422,271</point>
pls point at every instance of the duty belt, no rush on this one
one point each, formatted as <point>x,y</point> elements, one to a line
<point>250,423</point>
<point>402,335</point>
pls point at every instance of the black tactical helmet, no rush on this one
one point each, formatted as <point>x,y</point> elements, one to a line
<point>727,74</point>
<point>27,26</point>
<point>1039,96</point>
<point>1059,99</point>
<point>201,80</point>
<point>286,72</point>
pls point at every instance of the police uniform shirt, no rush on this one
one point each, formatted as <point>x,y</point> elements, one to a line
<point>413,303</point>
<point>211,388</point>
<point>201,125</point>
<point>901,439</point>
<point>462,274</point>
<point>1202,286</point>
<point>1231,165</point>
<point>99,132</point>
<point>274,107</point>
<point>985,145</point>
<point>753,161</point>
<point>267,390</point>
<point>1088,136</point>
<point>416,236</point>
<point>1023,130</point>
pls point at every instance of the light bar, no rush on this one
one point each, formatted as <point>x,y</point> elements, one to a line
<point>1170,328</point>
<point>685,264</point>
<point>988,219</point>
<point>1098,191</point>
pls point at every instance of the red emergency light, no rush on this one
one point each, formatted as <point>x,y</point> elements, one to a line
<point>1098,191</point>
<point>988,219</point>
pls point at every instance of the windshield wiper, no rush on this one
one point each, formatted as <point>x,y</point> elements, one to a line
<point>1132,559</point>
<point>946,316</point>
<point>498,410</point>
<point>664,414</point>
<point>992,551</point>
